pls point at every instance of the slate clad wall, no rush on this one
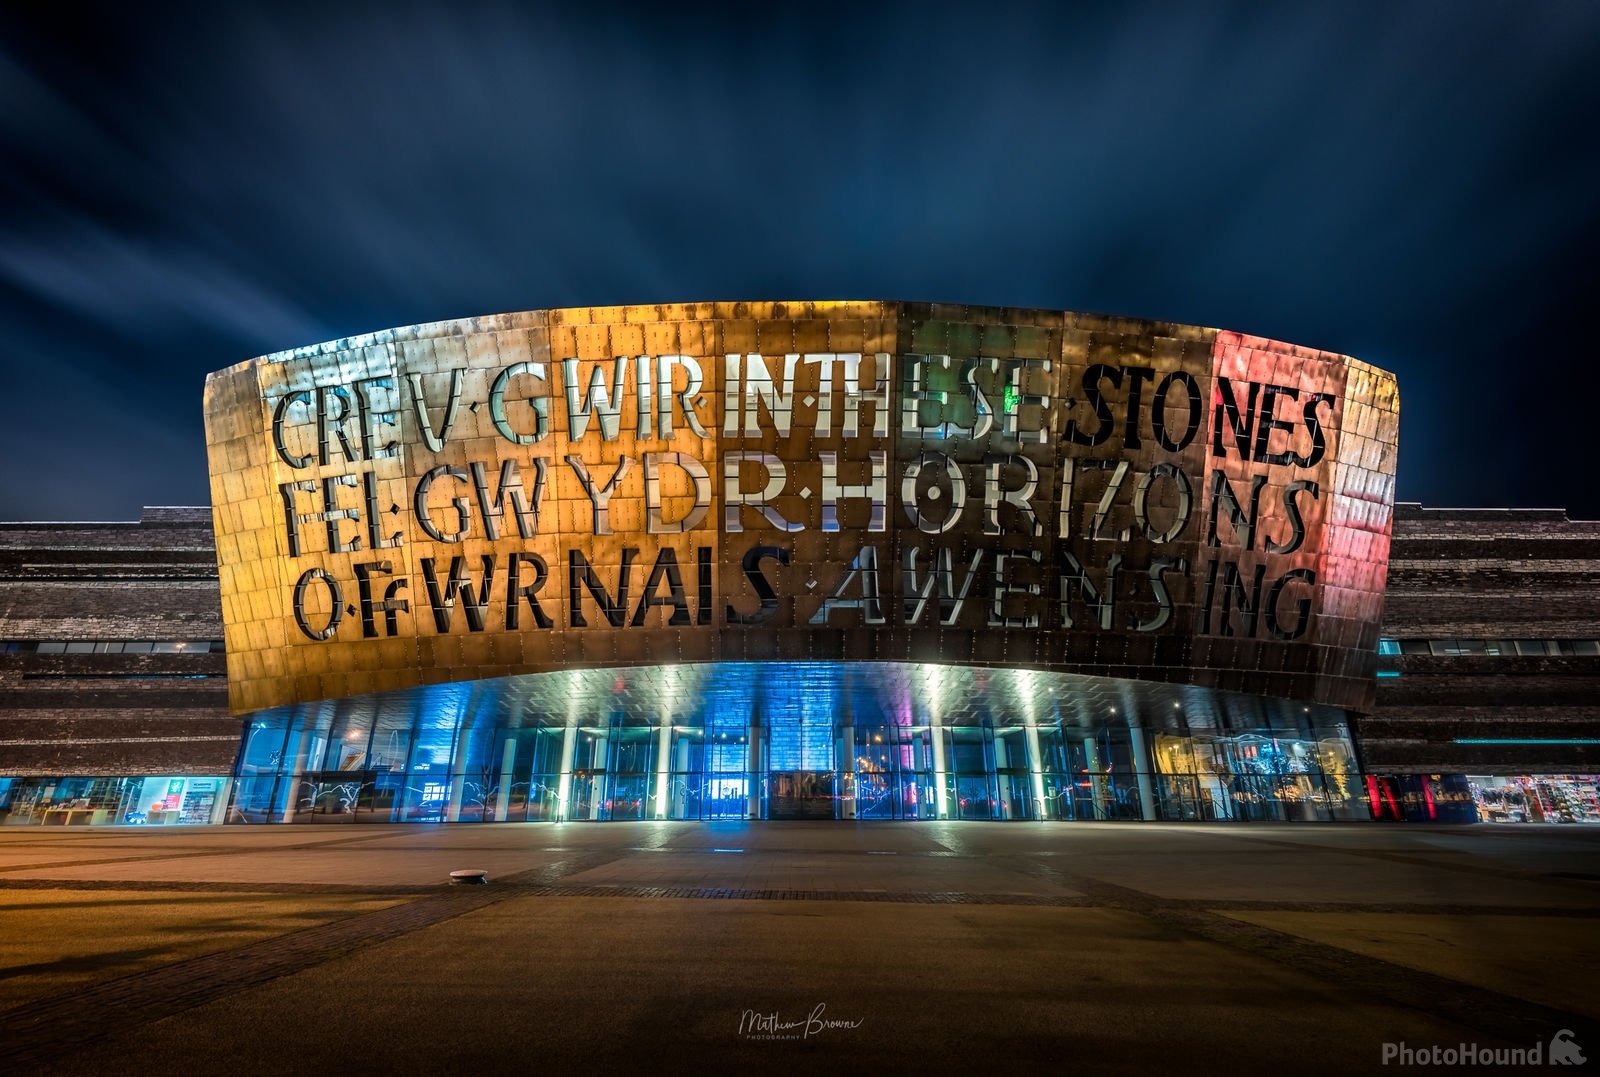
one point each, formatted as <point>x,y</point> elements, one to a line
<point>1453,573</point>
<point>113,714</point>
<point>1502,574</point>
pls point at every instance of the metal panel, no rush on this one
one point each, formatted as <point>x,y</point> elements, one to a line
<point>643,486</point>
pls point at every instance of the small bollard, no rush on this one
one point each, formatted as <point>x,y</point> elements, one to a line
<point>469,877</point>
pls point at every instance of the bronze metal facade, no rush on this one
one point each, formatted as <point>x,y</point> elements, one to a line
<point>843,481</point>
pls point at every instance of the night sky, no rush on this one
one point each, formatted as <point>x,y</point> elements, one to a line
<point>1414,184</point>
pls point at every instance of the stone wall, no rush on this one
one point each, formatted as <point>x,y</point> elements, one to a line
<point>1494,574</point>
<point>112,714</point>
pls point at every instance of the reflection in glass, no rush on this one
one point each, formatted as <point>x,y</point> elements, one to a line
<point>797,740</point>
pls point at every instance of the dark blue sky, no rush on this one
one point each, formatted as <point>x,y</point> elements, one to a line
<point>1415,184</point>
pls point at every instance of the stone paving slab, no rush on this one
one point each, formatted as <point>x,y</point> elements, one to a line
<point>1104,948</point>
<point>57,941</point>
<point>1224,876</point>
<point>40,1032</point>
<point>1527,957</point>
<point>793,870</point>
<point>1284,863</point>
<point>532,984</point>
<point>357,866</point>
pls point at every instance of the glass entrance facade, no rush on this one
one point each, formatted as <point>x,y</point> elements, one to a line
<point>797,741</point>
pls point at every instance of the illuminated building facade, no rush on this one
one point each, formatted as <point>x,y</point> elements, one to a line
<point>837,560</point>
<point>774,560</point>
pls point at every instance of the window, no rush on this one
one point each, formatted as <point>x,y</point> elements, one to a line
<point>1457,648</point>
<point>113,646</point>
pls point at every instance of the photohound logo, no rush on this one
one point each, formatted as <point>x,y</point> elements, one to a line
<point>1564,1051</point>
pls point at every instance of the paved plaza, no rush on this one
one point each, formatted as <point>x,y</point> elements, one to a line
<point>949,947</point>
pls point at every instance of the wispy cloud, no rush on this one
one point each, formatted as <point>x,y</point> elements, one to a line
<point>187,186</point>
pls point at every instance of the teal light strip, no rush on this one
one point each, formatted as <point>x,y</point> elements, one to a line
<point>1388,673</point>
<point>1526,740</point>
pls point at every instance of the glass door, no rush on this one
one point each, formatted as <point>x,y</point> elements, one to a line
<point>970,753</point>
<point>800,794</point>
